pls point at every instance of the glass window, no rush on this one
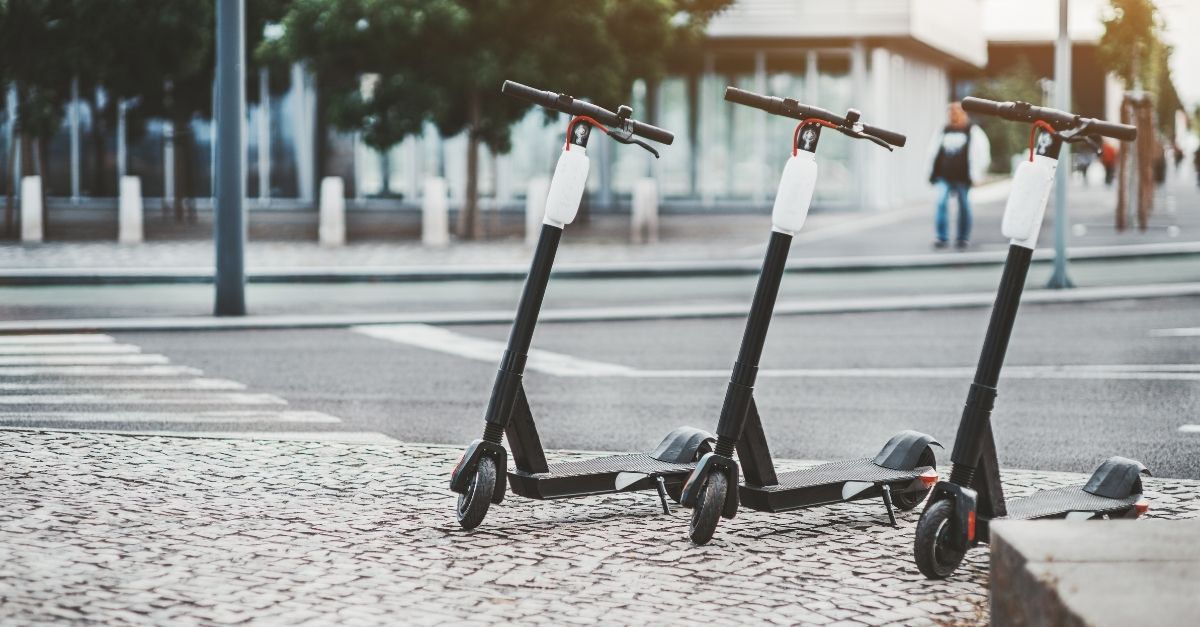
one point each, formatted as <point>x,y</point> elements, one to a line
<point>785,79</point>
<point>674,178</point>
<point>833,157</point>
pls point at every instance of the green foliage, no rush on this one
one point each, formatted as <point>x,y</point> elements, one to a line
<point>1018,83</point>
<point>1132,47</point>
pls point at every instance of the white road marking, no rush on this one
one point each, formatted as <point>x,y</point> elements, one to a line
<point>98,371</point>
<point>558,364</point>
<point>67,349</point>
<point>1180,332</point>
<point>121,384</point>
<point>343,437</point>
<point>82,360</point>
<point>62,338</point>
<point>138,398</point>
<point>185,417</point>
<point>479,349</point>
<point>1189,429</point>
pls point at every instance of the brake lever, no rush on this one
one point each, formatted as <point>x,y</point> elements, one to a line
<point>624,135</point>
<point>1081,133</point>
<point>848,132</point>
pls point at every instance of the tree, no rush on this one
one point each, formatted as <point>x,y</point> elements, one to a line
<point>1019,82</point>
<point>444,60</point>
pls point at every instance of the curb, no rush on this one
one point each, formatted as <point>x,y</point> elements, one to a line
<point>597,314</point>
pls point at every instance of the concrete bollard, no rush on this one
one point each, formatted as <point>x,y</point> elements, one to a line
<point>535,208</point>
<point>331,229</point>
<point>435,213</point>
<point>31,209</point>
<point>129,211</point>
<point>644,212</point>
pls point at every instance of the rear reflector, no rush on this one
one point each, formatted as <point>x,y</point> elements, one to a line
<point>929,478</point>
<point>1141,507</point>
<point>970,526</point>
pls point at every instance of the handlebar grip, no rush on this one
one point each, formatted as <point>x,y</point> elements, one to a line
<point>652,133</point>
<point>524,92</point>
<point>1123,132</point>
<point>971,104</point>
<point>891,137</point>
<point>750,99</point>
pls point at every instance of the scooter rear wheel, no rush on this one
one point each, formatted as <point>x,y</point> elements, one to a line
<point>707,512</point>
<point>905,501</point>
<point>473,504</point>
<point>936,558</point>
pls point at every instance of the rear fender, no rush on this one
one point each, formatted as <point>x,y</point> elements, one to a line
<point>461,477</point>
<point>1117,478</point>
<point>904,449</point>
<point>683,445</point>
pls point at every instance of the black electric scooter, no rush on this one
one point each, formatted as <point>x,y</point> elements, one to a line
<point>901,473</point>
<point>479,477</point>
<point>960,510</point>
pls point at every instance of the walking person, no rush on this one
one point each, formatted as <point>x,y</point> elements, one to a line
<point>962,156</point>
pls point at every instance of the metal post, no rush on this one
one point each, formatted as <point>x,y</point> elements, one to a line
<point>264,137</point>
<point>230,154</point>
<point>122,151</point>
<point>1062,100</point>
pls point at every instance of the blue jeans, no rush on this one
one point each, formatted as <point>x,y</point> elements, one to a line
<point>944,188</point>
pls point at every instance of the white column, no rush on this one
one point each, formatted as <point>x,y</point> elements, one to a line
<point>31,209</point>
<point>73,111</point>
<point>535,208</point>
<point>760,128</point>
<point>168,163</point>
<point>644,223</point>
<point>129,211</point>
<point>858,96</point>
<point>331,229</point>
<point>264,137</point>
<point>121,148</point>
<point>304,119</point>
<point>435,213</point>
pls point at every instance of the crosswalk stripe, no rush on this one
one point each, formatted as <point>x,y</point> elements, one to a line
<point>64,338</point>
<point>67,349</point>
<point>342,437</point>
<point>201,417</point>
<point>122,384</point>
<point>138,398</point>
<point>97,371</point>
<point>82,360</point>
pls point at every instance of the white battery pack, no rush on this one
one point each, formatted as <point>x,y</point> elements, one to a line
<point>1027,201</point>
<point>567,186</point>
<point>795,193</point>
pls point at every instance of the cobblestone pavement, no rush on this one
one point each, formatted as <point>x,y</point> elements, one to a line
<point>121,529</point>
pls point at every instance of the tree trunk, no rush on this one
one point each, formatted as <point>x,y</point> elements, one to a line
<point>181,137</point>
<point>39,158</point>
<point>1123,173</point>
<point>469,225</point>
<point>1146,142</point>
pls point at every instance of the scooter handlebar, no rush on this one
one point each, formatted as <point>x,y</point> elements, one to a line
<point>1060,120</point>
<point>571,106</point>
<point>788,108</point>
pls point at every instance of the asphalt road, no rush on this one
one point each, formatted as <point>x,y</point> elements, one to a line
<point>867,376</point>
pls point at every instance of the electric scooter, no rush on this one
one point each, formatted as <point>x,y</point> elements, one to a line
<point>904,469</point>
<point>480,476</point>
<point>960,510</point>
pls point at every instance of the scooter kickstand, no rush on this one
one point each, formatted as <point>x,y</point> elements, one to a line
<point>887,502</point>
<point>662,493</point>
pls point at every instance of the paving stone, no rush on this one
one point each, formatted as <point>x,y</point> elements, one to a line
<point>144,530</point>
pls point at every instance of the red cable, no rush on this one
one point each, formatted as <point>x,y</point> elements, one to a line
<point>1033,133</point>
<point>571,126</point>
<point>802,124</point>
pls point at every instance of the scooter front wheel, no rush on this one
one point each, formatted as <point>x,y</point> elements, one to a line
<point>707,511</point>
<point>936,558</point>
<point>473,503</point>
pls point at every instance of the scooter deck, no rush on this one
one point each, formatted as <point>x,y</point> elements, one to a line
<point>1060,502</point>
<point>599,475</point>
<point>833,482</point>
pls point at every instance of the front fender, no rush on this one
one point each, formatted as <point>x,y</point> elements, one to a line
<point>465,469</point>
<point>711,462</point>
<point>965,500</point>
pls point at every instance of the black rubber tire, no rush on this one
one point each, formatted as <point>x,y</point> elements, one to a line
<point>473,504</point>
<point>905,501</point>
<point>708,508</point>
<point>934,555</point>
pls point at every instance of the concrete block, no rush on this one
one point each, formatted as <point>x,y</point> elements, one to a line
<point>435,213</point>
<point>331,230</point>
<point>644,212</point>
<point>129,211</point>
<point>31,209</point>
<point>1096,573</point>
<point>535,208</point>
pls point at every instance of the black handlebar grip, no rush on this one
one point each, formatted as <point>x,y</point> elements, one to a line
<point>891,137</point>
<point>524,92</point>
<point>653,133</point>
<point>750,99</point>
<point>971,104</point>
<point>1123,132</point>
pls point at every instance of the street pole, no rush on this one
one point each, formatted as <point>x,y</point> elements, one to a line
<point>1062,100</point>
<point>230,220</point>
